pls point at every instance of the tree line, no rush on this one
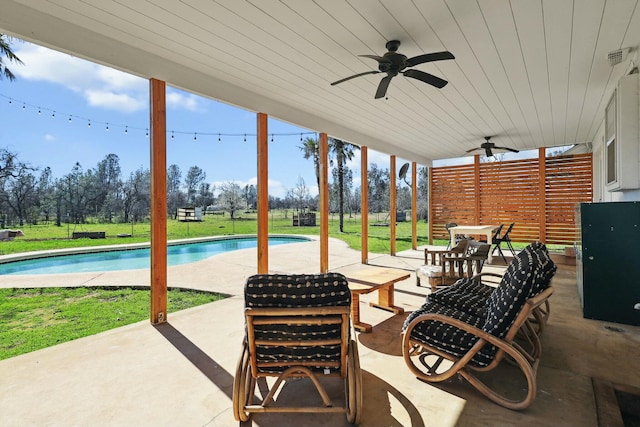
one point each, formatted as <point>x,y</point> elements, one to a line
<point>31,195</point>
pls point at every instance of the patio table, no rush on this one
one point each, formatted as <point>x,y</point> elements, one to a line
<point>484,230</point>
<point>371,279</point>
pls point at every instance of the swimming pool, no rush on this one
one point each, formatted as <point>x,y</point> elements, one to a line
<point>131,259</point>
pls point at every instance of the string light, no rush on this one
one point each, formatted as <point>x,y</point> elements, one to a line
<point>107,125</point>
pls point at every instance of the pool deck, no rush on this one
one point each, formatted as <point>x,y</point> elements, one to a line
<point>181,373</point>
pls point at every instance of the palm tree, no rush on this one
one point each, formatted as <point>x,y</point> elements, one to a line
<point>344,151</point>
<point>5,50</point>
<point>311,149</point>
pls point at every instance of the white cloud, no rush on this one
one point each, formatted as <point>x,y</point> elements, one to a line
<point>114,101</point>
<point>49,137</point>
<point>100,86</point>
<point>183,101</point>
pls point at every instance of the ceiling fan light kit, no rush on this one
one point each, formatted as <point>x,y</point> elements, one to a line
<point>393,63</point>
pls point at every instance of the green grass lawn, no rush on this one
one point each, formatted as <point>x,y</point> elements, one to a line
<point>37,318</point>
<point>45,237</point>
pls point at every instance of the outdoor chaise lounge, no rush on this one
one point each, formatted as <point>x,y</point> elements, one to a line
<point>459,331</point>
<point>297,326</point>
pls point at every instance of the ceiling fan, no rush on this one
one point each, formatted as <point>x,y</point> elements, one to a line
<point>489,146</point>
<point>394,63</point>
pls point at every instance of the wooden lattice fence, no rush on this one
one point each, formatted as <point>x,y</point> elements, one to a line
<point>539,195</point>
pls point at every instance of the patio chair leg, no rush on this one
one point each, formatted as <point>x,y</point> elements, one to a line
<point>497,246</point>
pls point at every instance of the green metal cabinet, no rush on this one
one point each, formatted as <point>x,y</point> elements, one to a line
<point>609,259</point>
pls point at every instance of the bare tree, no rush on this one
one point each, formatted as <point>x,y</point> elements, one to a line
<point>230,198</point>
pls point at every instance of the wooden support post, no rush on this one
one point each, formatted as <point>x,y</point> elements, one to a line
<point>414,206</point>
<point>324,203</point>
<point>542,193</point>
<point>430,204</point>
<point>158,126</point>
<point>392,205</point>
<point>364,204</point>
<point>263,193</point>
<point>476,189</point>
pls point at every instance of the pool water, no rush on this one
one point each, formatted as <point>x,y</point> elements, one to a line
<point>131,259</point>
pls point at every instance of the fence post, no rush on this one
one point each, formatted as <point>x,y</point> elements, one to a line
<point>542,193</point>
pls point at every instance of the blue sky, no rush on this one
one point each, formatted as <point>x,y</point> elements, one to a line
<point>58,111</point>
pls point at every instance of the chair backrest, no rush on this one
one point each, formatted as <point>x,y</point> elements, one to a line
<point>505,236</point>
<point>496,233</point>
<point>461,248</point>
<point>297,320</point>
<point>529,273</point>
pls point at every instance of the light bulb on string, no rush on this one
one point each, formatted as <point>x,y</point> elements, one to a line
<point>245,138</point>
<point>219,140</point>
<point>69,119</point>
<point>39,111</point>
<point>272,138</point>
<point>195,136</point>
<point>126,130</point>
<point>53,115</point>
<point>107,128</point>
<point>300,137</point>
<point>89,124</point>
<point>24,107</point>
<point>146,132</point>
<point>172,137</point>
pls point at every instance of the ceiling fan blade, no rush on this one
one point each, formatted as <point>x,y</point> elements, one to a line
<point>382,87</point>
<point>488,152</point>
<point>354,76</point>
<point>380,59</point>
<point>473,149</point>
<point>507,148</point>
<point>426,77</point>
<point>428,57</point>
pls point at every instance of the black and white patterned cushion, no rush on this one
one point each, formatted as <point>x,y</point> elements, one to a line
<point>515,288</point>
<point>295,291</point>
<point>448,338</point>
<point>545,272</point>
<point>466,295</point>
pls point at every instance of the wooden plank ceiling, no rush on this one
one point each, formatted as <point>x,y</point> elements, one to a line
<point>531,73</point>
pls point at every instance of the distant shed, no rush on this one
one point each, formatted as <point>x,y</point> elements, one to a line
<point>189,214</point>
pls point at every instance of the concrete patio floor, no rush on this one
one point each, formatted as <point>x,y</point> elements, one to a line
<point>181,373</point>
